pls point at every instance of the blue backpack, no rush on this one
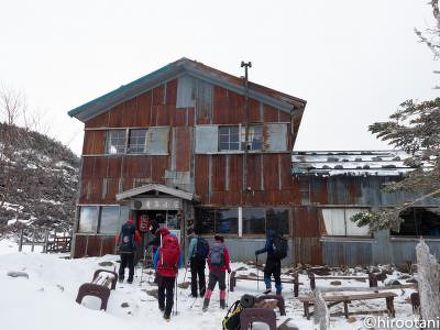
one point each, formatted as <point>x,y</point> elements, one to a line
<point>202,248</point>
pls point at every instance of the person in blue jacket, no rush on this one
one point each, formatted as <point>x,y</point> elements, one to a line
<point>273,264</point>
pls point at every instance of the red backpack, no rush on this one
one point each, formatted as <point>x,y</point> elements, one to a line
<point>169,256</point>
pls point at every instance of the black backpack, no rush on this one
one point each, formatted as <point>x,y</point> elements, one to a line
<point>280,247</point>
<point>232,319</point>
<point>127,238</point>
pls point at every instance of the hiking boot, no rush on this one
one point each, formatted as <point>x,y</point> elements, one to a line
<point>222,304</point>
<point>166,317</point>
<point>267,291</point>
<point>130,280</point>
<point>121,279</point>
<point>205,305</point>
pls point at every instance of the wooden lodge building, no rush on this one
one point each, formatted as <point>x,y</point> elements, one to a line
<point>192,146</point>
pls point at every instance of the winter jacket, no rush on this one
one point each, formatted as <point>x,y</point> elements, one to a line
<point>226,264</point>
<point>129,228</point>
<point>268,247</point>
<point>192,246</point>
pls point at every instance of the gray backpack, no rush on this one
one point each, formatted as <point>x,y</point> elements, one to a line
<point>217,255</point>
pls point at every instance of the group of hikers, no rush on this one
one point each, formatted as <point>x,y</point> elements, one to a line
<point>168,259</point>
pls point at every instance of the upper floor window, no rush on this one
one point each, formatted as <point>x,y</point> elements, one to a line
<point>229,138</point>
<point>255,137</point>
<point>137,142</point>
<point>116,140</point>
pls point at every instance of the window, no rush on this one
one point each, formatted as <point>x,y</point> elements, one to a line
<point>337,222</point>
<point>419,221</point>
<point>228,138</point>
<point>254,221</point>
<point>255,137</point>
<point>110,220</point>
<point>278,219</point>
<point>205,221</point>
<point>222,221</point>
<point>125,212</point>
<point>137,142</point>
<point>116,141</point>
<point>226,221</point>
<point>88,219</point>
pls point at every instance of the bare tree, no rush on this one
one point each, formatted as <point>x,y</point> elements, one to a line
<point>13,108</point>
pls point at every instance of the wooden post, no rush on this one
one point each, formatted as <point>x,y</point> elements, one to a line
<point>312,281</point>
<point>33,240</point>
<point>20,244</point>
<point>295,284</point>
<point>46,239</point>
<point>372,279</point>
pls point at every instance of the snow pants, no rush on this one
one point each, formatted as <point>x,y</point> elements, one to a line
<point>127,259</point>
<point>273,267</point>
<point>198,271</point>
<point>166,290</point>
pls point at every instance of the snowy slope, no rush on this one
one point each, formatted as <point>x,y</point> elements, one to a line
<point>47,299</point>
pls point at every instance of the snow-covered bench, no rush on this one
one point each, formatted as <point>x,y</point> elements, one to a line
<point>372,279</point>
<point>348,298</point>
<point>102,283</point>
<point>234,277</point>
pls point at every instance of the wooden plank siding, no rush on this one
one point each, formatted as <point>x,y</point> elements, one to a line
<point>217,179</point>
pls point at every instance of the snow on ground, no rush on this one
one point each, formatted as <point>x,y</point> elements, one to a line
<point>46,300</point>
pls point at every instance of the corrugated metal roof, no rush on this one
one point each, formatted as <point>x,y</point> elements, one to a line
<point>366,162</point>
<point>196,69</point>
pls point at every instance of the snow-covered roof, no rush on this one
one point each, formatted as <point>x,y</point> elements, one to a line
<point>355,163</point>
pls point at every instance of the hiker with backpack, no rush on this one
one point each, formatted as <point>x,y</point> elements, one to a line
<point>127,240</point>
<point>167,260</point>
<point>276,249</point>
<point>218,263</point>
<point>197,253</point>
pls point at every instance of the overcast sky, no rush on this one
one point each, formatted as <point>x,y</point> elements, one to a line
<point>353,61</point>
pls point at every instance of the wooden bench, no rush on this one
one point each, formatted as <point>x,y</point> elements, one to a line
<point>372,279</point>
<point>264,315</point>
<point>348,298</point>
<point>102,283</point>
<point>234,277</point>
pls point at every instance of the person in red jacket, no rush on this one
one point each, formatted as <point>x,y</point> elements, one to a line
<point>127,240</point>
<point>218,263</point>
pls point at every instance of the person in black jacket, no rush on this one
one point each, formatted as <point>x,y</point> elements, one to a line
<point>273,264</point>
<point>128,238</point>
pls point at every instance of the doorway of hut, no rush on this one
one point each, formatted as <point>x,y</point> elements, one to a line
<point>148,222</point>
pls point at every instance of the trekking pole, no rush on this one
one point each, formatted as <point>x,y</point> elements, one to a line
<point>258,280</point>
<point>176,298</point>
<point>229,289</point>
<point>142,267</point>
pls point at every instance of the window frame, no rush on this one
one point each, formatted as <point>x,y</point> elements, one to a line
<point>97,229</point>
<point>346,220</point>
<point>240,221</point>
<point>229,142</point>
<point>130,145</point>
<point>109,139</point>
